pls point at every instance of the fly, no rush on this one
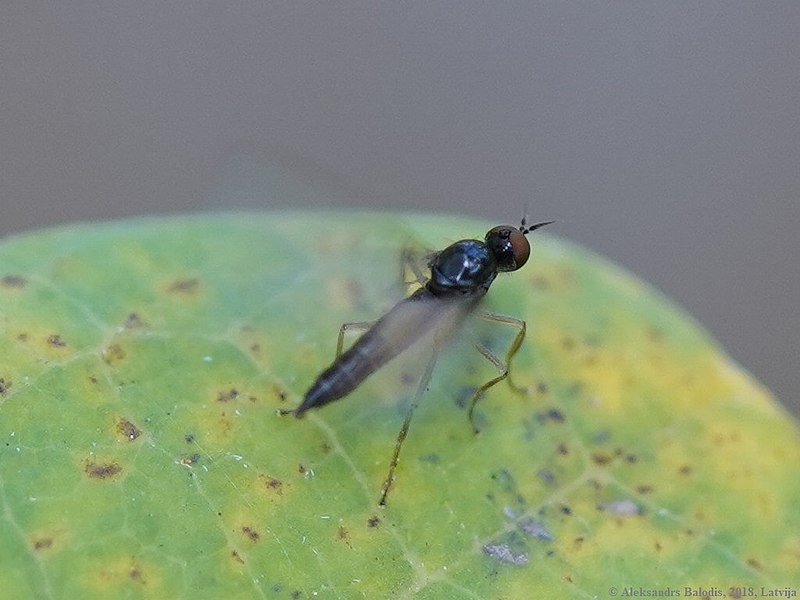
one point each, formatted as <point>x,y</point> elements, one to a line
<point>460,276</point>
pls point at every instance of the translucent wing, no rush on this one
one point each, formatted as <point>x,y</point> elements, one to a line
<point>422,317</point>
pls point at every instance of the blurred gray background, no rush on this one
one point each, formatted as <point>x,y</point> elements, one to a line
<point>665,135</point>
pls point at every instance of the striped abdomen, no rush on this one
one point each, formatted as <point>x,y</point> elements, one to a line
<point>420,315</point>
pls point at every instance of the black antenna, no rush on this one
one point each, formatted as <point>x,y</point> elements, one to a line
<point>527,229</point>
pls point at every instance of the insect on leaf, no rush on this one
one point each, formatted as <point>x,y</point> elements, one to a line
<point>144,362</point>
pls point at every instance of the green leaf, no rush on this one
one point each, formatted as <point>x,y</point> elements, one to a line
<point>143,456</point>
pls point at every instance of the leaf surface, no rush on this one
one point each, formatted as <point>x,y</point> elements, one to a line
<point>143,363</point>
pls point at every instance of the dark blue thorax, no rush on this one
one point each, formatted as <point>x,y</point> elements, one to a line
<point>465,267</point>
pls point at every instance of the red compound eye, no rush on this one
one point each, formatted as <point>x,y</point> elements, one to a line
<point>509,246</point>
<point>520,247</point>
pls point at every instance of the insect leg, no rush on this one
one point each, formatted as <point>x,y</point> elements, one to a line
<point>503,369</point>
<point>413,260</point>
<point>515,344</point>
<point>355,325</point>
<point>401,435</point>
<point>409,260</point>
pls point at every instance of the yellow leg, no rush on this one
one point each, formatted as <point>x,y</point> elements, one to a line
<point>502,368</point>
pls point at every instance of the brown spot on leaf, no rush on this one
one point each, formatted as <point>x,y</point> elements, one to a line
<point>281,393</point>
<point>13,281</point>
<point>113,354</point>
<point>225,424</point>
<point>102,470</point>
<point>4,385</point>
<point>601,458</point>
<point>186,285</point>
<point>685,470</point>
<point>134,321</point>
<point>251,533</point>
<point>128,430</point>
<point>644,489</point>
<point>43,543</point>
<point>136,574</point>
<point>343,535</point>
<point>755,564</point>
<point>22,336</point>
<point>237,557</point>
<point>227,395</point>
<point>373,521</point>
<point>272,484</point>
<point>56,341</point>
